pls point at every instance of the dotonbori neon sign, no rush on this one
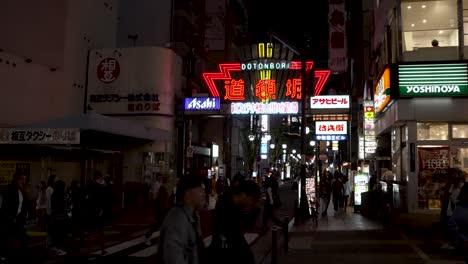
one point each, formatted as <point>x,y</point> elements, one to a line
<point>265,65</point>
<point>265,108</point>
<point>265,89</point>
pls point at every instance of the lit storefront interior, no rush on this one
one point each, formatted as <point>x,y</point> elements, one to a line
<point>426,22</point>
<point>425,121</point>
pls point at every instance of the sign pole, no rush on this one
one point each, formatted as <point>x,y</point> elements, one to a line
<point>304,204</point>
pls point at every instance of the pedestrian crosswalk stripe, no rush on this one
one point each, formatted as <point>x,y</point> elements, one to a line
<point>128,244</point>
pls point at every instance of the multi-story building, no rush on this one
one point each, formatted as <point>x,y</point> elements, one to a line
<point>419,79</point>
<point>62,62</point>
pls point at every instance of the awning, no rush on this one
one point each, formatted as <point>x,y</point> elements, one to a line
<point>109,125</point>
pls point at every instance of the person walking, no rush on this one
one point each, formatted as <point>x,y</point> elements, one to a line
<point>12,218</point>
<point>59,218</point>
<point>76,198</point>
<point>233,216</point>
<point>180,240</point>
<point>325,195</point>
<point>41,204</point>
<point>162,204</point>
<point>346,192</point>
<point>338,190</point>
<point>271,202</point>
<point>95,204</point>
<point>458,223</point>
<point>49,192</point>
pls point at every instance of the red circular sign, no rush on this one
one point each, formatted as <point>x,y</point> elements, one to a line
<point>108,70</point>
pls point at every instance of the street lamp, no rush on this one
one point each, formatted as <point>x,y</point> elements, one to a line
<point>294,151</point>
<point>251,137</point>
<point>272,146</point>
<point>284,151</point>
<point>312,143</point>
<point>284,146</point>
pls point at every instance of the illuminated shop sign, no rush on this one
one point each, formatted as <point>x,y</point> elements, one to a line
<point>329,102</point>
<point>369,143</point>
<point>234,88</point>
<point>382,92</point>
<point>331,128</point>
<point>433,80</point>
<point>265,108</point>
<point>233,81</point>
<point>265,65</point>
<point>202,103</point>
<point>331,137</point>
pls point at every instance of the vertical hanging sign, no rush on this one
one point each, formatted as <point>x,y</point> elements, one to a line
<point>337,57</point>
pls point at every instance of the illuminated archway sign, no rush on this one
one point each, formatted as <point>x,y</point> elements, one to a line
<point>265,82</point>
<point>235,88</point>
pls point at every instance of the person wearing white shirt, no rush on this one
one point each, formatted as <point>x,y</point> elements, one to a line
<point>49,192</point>
<point>346,192</point>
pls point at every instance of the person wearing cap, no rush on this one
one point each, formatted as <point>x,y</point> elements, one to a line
<point>180,240</point>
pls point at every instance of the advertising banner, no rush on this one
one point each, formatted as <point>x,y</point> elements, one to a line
<point>133,81</point>
<point>330,102</point>
<point>8,168</point>
<point>434,163</point>
<point>331,127</point>
<point>337,61</point>
<point>65,136</point>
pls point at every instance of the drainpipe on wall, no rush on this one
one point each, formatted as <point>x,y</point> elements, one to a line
<point>461,31</point>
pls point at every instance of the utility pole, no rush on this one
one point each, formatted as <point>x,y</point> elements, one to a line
<point>303,203</point>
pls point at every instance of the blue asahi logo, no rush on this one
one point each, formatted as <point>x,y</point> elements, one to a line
<point>202,103</point>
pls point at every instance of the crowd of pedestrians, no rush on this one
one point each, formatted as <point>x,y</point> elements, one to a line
<point>62,212</point>
<point>236,211</point>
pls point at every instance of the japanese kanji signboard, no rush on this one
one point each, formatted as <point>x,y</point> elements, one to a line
<point>331,137</point>
<point>39,136</point>
<point>108,70</point>
<point>337,59</point>
<point>329,102</point>
<point>331,128</point>
<point>235,88</point>
<point>133,81</point>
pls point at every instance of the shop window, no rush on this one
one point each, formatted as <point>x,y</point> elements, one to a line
<point>460,131</point>
<point>432,131</point>
<point>432,175</point>
<point>427,24</point>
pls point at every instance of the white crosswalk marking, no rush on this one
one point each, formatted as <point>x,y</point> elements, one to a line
<point>150,251</point>
<point>127,244</point>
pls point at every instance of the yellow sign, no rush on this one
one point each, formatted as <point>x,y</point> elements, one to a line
<point>8,168</point>
<point>369,115</point>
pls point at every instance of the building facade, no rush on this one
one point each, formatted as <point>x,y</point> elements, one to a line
<point>417,80</point>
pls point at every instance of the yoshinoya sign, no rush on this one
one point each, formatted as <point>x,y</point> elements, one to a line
<point>329,102</point>
<point>202,103</point>
<point>265,108</point>
<point>66,136</point>
<point>433,80</point>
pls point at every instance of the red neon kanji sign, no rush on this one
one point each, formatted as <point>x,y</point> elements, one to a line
<point>266,89</point>
<point>224,74</point>
<point>234,90</point>
<point>294,88</point>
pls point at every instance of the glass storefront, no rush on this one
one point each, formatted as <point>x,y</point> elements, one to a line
<point>441,162</point>
<point>424,22</point>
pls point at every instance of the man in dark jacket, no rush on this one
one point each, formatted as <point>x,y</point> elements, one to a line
<point>12,233</point>
<point>231,220</point>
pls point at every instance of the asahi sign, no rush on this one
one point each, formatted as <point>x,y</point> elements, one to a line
<point>202,103</point>
<point>433,80</point>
